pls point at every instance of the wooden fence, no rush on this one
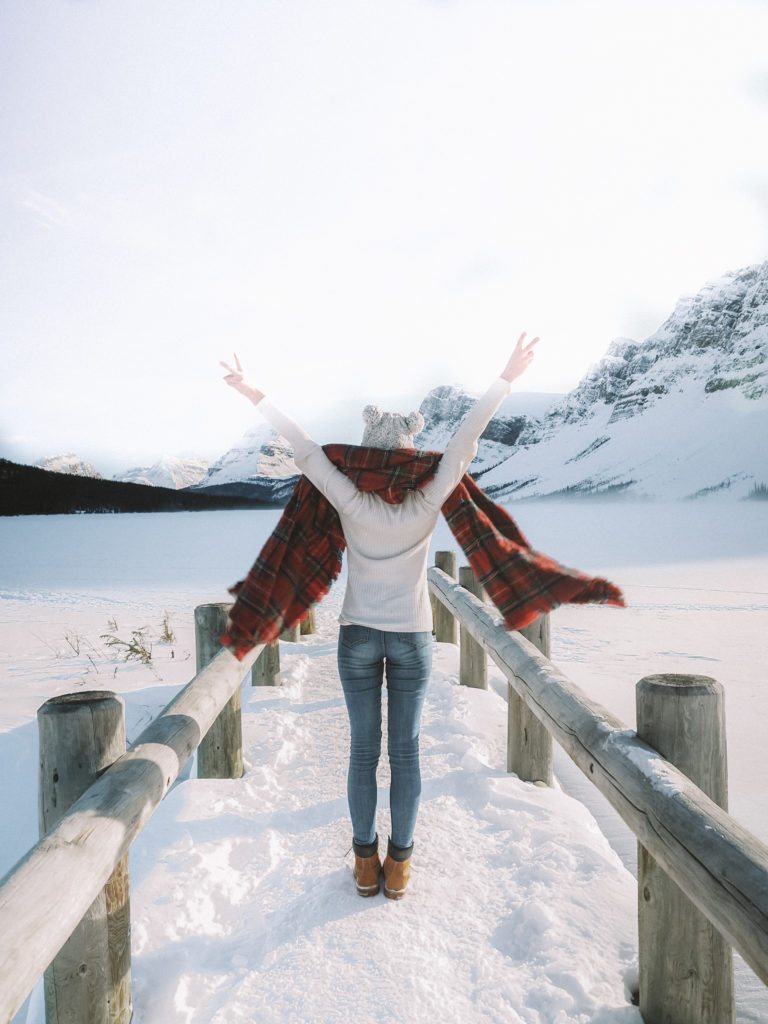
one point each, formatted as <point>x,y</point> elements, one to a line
<point>702,878</point>
<point>64,907</point>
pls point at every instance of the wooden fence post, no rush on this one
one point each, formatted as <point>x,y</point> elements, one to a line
<point>89,979</point>
<point>220,753</point>
<point>473,661</point>
<point>529,743</point>
<point>265,671</point>
<point>686,966</point>
<point>307,624</point>
<point>444,620</point>
<point>291,633</point>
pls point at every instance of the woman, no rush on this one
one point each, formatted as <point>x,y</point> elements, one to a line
<point>385,625</point>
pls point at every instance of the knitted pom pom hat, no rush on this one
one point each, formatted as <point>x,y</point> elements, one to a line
<point>390,429</point>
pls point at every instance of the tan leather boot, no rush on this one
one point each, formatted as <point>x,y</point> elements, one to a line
<point>396,869</point>
<point>367,867</point>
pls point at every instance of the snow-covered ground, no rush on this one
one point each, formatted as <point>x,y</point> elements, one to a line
<point>519,909</point>
<point>682,446</point>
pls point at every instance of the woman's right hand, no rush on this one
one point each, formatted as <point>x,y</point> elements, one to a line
<point>520,359</point>
<point>236,380</point>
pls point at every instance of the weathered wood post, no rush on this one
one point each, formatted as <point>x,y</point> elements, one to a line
<point>529,744</point>
<point>307,624</point>
<point>265,671</point>
<point>220,753</point>
<point>444,620</point>
<point>89,980</point>
<point>473,661</point>
<point>686,967</point>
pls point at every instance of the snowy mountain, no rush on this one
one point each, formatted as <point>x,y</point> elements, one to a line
<point>171,471</point>
<point>69,463</point>
<point>175,471</point>
<point>682,414</point>
<point>260,464</point>
<point>445,406</point>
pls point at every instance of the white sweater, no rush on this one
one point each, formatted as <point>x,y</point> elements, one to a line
<point>388,545</point>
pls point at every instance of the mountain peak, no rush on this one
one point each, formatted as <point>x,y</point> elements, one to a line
<point>69,463</point>
<point>680,414</point>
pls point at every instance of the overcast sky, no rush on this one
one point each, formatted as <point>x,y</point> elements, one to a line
<point>364,199</point>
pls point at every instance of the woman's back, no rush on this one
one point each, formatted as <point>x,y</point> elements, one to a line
<point>387,557</point>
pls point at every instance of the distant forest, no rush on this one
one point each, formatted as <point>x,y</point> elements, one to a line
<point>30,490</point>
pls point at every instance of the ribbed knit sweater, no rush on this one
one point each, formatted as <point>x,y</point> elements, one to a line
<point>388,545</point>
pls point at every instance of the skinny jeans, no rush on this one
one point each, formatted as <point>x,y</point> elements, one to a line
<point>366,655</point>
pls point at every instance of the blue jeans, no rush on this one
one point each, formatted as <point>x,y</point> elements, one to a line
<point>363,653</point>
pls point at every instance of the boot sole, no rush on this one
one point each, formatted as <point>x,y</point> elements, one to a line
<point>367,890</point>
<point>394,894</point>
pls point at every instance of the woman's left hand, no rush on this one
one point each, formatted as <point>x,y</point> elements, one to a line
<point>236,380</point>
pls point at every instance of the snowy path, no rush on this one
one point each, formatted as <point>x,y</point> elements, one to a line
<point>243,901</point>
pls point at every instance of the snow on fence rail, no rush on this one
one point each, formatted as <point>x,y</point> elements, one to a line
<point>702,877</point>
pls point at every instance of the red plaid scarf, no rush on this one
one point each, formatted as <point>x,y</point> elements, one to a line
<point>302,557</point>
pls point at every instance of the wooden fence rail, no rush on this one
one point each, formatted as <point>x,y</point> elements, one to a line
<point>719,866</point>
<point>46,895</point>
<point>64,905</point>
<point>68,896</point>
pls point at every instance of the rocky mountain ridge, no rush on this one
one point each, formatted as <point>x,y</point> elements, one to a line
<point>682,414</point>
<point>717,335</point>
<point>69,463</point>
<point>174,471</point>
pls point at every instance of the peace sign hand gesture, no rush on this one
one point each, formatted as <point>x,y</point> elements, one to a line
<point>236,380</point>
<point>520,359</point>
